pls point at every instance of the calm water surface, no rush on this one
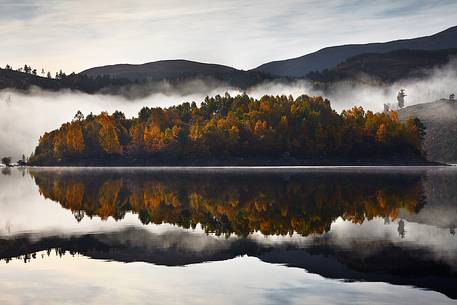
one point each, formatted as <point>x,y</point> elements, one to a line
<point>228,236</point>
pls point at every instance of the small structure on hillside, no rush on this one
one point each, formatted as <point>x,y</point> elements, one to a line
<point>401,98</point>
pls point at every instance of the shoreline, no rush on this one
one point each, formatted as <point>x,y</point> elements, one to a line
<point>244,163</point>
<point>246,166</point>
<point>243,170</point>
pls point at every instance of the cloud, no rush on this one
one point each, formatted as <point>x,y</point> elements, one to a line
<point>74,35</point>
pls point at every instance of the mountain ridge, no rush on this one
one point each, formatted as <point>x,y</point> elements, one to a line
<point>319,60</point>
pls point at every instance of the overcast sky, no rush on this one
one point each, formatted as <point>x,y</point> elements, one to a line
<point>75,35</point>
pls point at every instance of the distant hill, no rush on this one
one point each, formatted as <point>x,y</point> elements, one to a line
<point>158,70</point>
<point>23,81</point>
<point>12,79</point>
<point>330,57</point>
<point>440,118</point>
<point>178,70</point>
<point>388,67</point>
<point>120,82</point>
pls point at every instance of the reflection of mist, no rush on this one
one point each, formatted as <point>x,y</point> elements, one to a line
<point>176,240</point>
<point>440,187</point>
<point>24,210</point>
<point>25,117</point>
<point>6,171</point>
<point>243,280</point>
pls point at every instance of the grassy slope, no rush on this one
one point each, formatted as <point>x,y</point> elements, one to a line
<point>440,118</point>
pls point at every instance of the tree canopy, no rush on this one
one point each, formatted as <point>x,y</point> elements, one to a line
<point>231,128</point>
<point>6,161</point>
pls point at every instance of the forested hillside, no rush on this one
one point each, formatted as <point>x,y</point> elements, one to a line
<point>21,80</point>
<point>386,67</point>
<point>227,129</point>
<point>128,82</point>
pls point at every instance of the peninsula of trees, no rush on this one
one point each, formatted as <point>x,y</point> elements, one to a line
<point>226,130</point>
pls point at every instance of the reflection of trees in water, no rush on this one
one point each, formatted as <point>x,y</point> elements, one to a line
<point>27,257</point>
<point>6,171</point>
<point>401,228</point>
<point>385,261</point>
<point>240,204</point>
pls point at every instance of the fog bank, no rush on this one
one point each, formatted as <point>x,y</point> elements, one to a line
<point>436,83</point>
<point>24,117</point>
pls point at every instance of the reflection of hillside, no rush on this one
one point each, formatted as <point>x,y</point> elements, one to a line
<point>240,204</point>
<point>392,263</point>
<point>440,189</point>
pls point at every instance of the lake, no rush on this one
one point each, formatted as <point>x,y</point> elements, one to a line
<point>293,235</point>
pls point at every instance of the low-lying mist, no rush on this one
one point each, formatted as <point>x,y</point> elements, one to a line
<point>437,83</point>
<point>24,117</point>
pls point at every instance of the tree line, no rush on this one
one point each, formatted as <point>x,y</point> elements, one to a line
<point>29,70</point>
<point>232,128</point>
<point>24,77</point>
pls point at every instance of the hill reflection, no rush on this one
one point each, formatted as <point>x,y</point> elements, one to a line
<point>240,204</point>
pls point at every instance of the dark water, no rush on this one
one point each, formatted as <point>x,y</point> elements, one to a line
<point>228,236</point>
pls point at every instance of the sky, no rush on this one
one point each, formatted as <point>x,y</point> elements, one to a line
<point>76,35</point>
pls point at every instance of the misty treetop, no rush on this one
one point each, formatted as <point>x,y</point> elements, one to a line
<point>231,128</point>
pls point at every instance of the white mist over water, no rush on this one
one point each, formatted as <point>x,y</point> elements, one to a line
<point>24,117</point>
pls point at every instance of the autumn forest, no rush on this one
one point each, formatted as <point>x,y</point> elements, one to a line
<point>233,129</point>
